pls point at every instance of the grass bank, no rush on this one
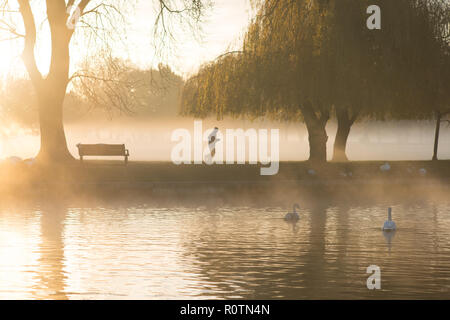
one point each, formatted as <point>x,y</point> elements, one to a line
<point>160,178</point>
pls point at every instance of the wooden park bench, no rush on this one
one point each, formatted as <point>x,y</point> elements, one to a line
<point>103,150</point>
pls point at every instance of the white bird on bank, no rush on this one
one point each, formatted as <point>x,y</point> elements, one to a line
<point>422,171</point>
<point>389,225</point>
<point>292,216</point>
<point>346,174</point>
<point>385,167</point>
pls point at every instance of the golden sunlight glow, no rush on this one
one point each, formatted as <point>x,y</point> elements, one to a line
<point>222,27</point>
<point>18,254</point>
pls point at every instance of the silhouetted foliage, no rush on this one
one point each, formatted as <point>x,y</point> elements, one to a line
<point>302,60</point>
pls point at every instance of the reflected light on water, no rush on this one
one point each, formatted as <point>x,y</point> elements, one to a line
<point>145,252</point>
<point>19,255</point>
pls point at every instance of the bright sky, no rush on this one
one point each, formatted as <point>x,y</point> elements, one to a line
<point>222,27</point>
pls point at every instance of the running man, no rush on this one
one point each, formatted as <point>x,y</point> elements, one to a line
<point>212,140</point>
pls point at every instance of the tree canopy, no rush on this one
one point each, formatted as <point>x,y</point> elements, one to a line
<point>302,60</point>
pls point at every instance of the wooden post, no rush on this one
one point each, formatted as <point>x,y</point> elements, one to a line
<point>436,135</point>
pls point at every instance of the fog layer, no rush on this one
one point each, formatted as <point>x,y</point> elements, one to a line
<point>151,140</point>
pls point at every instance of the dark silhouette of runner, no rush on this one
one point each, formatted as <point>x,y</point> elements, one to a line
<point>212,140</point>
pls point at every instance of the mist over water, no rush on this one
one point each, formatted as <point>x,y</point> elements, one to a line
<point>151,250</point>
<point>204,242</point>
<point>151,140</point>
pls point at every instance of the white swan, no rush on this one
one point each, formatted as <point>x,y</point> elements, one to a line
<point>389,225</point>
<point>385,167</point>
<point>292,216</point>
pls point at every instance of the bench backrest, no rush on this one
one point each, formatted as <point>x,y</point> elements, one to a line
<point>101,149</point>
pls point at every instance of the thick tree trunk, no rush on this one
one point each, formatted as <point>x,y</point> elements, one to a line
<point>436,135</point>
<point>50,90</point>
<point>53,139</point>
<point>317,135</point>
<point>344,123</point>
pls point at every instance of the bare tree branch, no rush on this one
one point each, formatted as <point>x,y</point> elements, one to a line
<point>30,42</point>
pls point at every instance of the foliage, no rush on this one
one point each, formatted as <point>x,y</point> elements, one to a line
<point>320,53</point>
<point>130,91</point>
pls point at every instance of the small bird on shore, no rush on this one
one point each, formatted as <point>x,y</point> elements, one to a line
<point>346,173</point>
<point>385,167</point>
<point>422,171</point>
<point>389,225</point>
<point>292,216</point>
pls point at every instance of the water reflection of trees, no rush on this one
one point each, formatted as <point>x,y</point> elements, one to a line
<point>274,262</point>
<point>51,278</point>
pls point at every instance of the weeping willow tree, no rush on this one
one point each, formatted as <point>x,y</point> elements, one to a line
<point>301,61</point>
<point>277,74</point>
<point>430,63</point>
<point>307,60</point>
<point>355,59</point>
<point>415,59</point>
<point>395,72</point>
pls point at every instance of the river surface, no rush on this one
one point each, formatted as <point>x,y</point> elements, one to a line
<point>145,251</point>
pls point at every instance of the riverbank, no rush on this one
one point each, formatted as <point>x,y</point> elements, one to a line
<point>165,178</point>
<point>98,171</point>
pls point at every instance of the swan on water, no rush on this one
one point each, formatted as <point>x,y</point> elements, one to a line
<point>292,216</point>
<point>389,225</point>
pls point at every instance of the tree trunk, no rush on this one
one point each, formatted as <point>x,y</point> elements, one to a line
<point>344,123</point>
<point>50,90</point>
<point>436,135</point>
<point>317,135</point>
<point>53,139</point>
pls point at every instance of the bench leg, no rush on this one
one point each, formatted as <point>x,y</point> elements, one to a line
<point>126,160</point>
<point>81,159</point>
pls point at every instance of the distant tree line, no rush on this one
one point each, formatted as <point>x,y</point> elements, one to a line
<point>311,60</point>
<point>105,90</point>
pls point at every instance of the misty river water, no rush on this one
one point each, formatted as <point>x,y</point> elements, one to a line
<point>148,251</point>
